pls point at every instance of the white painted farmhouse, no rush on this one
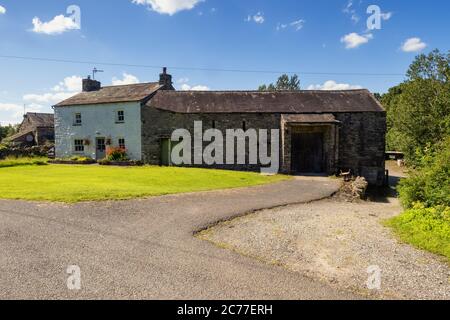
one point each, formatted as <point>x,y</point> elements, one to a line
<point>104,116</point>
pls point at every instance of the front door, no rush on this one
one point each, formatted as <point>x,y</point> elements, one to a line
<point>307,153</point>
<point>100,149</point>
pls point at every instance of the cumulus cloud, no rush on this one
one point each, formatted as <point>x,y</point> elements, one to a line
<point>57,25</point>
<point>65,89</point>
<point>169,7</point>
<point>186,87</point>
<point>413,45</point>
<point>13,113</point>
<point>127,79</point>
<point>354,40</point>
<point>257,18</point>
<point>73,84</point>
<point>2,10</point>
<point>333,85</point>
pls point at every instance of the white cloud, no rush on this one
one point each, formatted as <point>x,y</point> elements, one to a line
<point>354,40</point>
<point>333,85</point>
<point>13,113</point>
<point>48,98</point>
<point>169,7</point>
<point>127,79</point>
<point>73,83</point>
<point>2,10</point>
<point>10,107</point>
<point>257,18</point>
<point>57,25</point>
<point>386,16</point>
<point>281,26</point>
<point>298,25</point>
<point>65,89</point>
<point>349,10</point>
<point>413,45</point>
<point>186,87</point>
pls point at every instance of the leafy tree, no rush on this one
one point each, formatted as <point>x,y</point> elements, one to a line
<point>419,109</point>
<point>284,83</point>
<point>6,131</point>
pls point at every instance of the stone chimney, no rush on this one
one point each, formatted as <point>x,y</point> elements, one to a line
<point>165,79</point>
<point>91,85</point>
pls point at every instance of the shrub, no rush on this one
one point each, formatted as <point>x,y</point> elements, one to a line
<point>430,182</point>
<point>116,154</point>
<point>426,228</point>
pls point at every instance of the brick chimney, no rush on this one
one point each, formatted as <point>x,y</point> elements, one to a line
<point>165,79</point>
<point>91,85</point>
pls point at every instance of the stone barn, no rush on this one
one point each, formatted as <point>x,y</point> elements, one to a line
<point>36,129</point>
<point>320,132</point>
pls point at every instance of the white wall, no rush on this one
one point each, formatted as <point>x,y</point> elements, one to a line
<point>98,121</point>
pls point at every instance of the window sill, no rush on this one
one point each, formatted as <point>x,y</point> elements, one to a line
<point>77,125</point>
<point>120,122</point>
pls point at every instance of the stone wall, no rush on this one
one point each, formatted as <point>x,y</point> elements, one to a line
<point>362,144</point>
<point>157,124</point>
<point>360,138</point>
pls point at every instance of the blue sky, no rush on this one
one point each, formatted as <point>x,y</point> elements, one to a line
<point>328,37</point>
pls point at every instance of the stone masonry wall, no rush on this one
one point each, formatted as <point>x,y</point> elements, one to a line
<point>361,138</point>
<point>158,124</point>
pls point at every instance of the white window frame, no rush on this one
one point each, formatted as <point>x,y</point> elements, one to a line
<point>77,116</point>
<point>75,146</point>
<point>124,143</point>
<point>118,116</point>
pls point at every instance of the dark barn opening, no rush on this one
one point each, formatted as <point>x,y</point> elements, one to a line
<point>308,153</point>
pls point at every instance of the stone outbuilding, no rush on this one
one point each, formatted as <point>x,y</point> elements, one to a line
<point>36,129</point>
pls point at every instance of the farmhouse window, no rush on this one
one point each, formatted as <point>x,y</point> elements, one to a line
<point>120,116</point>
<point>79,145</point>
<point>122,143</point>
<point>78,120</point>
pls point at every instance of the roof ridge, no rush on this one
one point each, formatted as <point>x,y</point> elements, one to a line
<point>129,85</point>
<point>267,92</point>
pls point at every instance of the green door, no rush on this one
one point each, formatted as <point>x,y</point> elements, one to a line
<point>166,152</point>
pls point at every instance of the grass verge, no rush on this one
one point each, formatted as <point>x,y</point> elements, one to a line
<point>77,183</point>
<point>425,228</point>
<point>18,162</point>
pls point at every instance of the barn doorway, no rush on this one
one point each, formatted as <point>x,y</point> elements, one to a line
<point>166,150</point>
<point>307,152</point>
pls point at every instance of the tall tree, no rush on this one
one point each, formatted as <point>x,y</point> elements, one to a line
<point>419,109</point>
<point>284,83</point>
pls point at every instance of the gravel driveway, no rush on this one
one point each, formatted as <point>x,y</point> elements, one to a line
<point>337,241</point>
<point>146,249</point>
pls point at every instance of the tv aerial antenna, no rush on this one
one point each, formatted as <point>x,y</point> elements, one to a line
<point>94,71</point>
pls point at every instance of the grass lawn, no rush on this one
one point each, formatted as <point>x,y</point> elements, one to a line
<point>425,228</point>
<point>85,183</point>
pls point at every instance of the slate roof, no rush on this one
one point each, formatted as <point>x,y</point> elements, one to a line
<point>311,101</point>
<point>31,122</point>
<point>112,94</point>
<point>41,119</point>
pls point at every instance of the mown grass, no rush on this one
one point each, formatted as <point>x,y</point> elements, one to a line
<point>88,183</point>
<point>425,228</point>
